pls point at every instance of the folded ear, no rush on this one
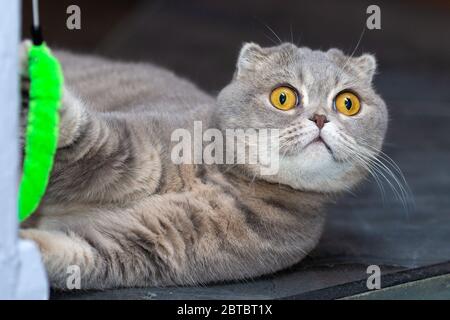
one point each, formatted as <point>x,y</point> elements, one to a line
<point>250,58</point>
<point>365,65</point>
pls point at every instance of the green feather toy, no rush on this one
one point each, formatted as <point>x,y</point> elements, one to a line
<point>41,136</point>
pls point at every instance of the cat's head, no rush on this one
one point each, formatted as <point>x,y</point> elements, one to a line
<point>331,121</point>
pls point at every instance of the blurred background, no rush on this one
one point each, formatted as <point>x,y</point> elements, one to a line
<point>200,40</point>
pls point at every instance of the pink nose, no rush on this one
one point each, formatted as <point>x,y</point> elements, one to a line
<point>320,120</point>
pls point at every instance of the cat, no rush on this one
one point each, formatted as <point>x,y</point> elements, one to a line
<point>121,210</point>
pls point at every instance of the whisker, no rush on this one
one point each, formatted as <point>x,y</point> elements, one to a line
<point>384,157</point>
<point>367,167</point>
<point>399,186</point>
<point>292,33</point>
<point>354,50</point>
<point>387,159</point>
<point>273,32</point>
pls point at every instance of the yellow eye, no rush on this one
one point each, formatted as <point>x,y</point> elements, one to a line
<point>284,98</point>
<point>347,103</point>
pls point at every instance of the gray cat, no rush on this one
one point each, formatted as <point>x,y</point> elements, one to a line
<point>118,207</point>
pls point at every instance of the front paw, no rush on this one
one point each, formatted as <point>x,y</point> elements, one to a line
<point>40,238</point>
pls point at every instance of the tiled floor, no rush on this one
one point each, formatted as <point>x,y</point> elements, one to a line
<point>200,40</point>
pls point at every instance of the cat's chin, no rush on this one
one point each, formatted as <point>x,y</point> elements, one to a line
<point>316,169</point>
<point>318,148</point>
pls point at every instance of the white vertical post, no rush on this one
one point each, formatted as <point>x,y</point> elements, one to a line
<point>21,273</point>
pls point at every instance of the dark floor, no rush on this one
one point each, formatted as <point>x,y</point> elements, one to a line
<point>200,40</point>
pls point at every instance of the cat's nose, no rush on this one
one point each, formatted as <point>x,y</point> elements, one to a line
<point>319,119</point>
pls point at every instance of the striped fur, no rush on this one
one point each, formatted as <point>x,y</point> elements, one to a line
<point>127,216</point>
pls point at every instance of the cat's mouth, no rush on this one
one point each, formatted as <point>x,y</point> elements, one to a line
<point>319,140</point>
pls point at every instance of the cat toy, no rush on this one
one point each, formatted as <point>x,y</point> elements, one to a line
<point>41,135</point>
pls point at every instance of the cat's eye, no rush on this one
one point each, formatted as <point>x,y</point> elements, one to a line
<point>347,103</point>
<point>284,98</point>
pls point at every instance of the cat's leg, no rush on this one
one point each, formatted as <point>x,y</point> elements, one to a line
<point>176,239</point>
<point>62,252</point>
<point>101,157</point>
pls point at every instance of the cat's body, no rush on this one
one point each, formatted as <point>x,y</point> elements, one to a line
<point>120,209</point>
